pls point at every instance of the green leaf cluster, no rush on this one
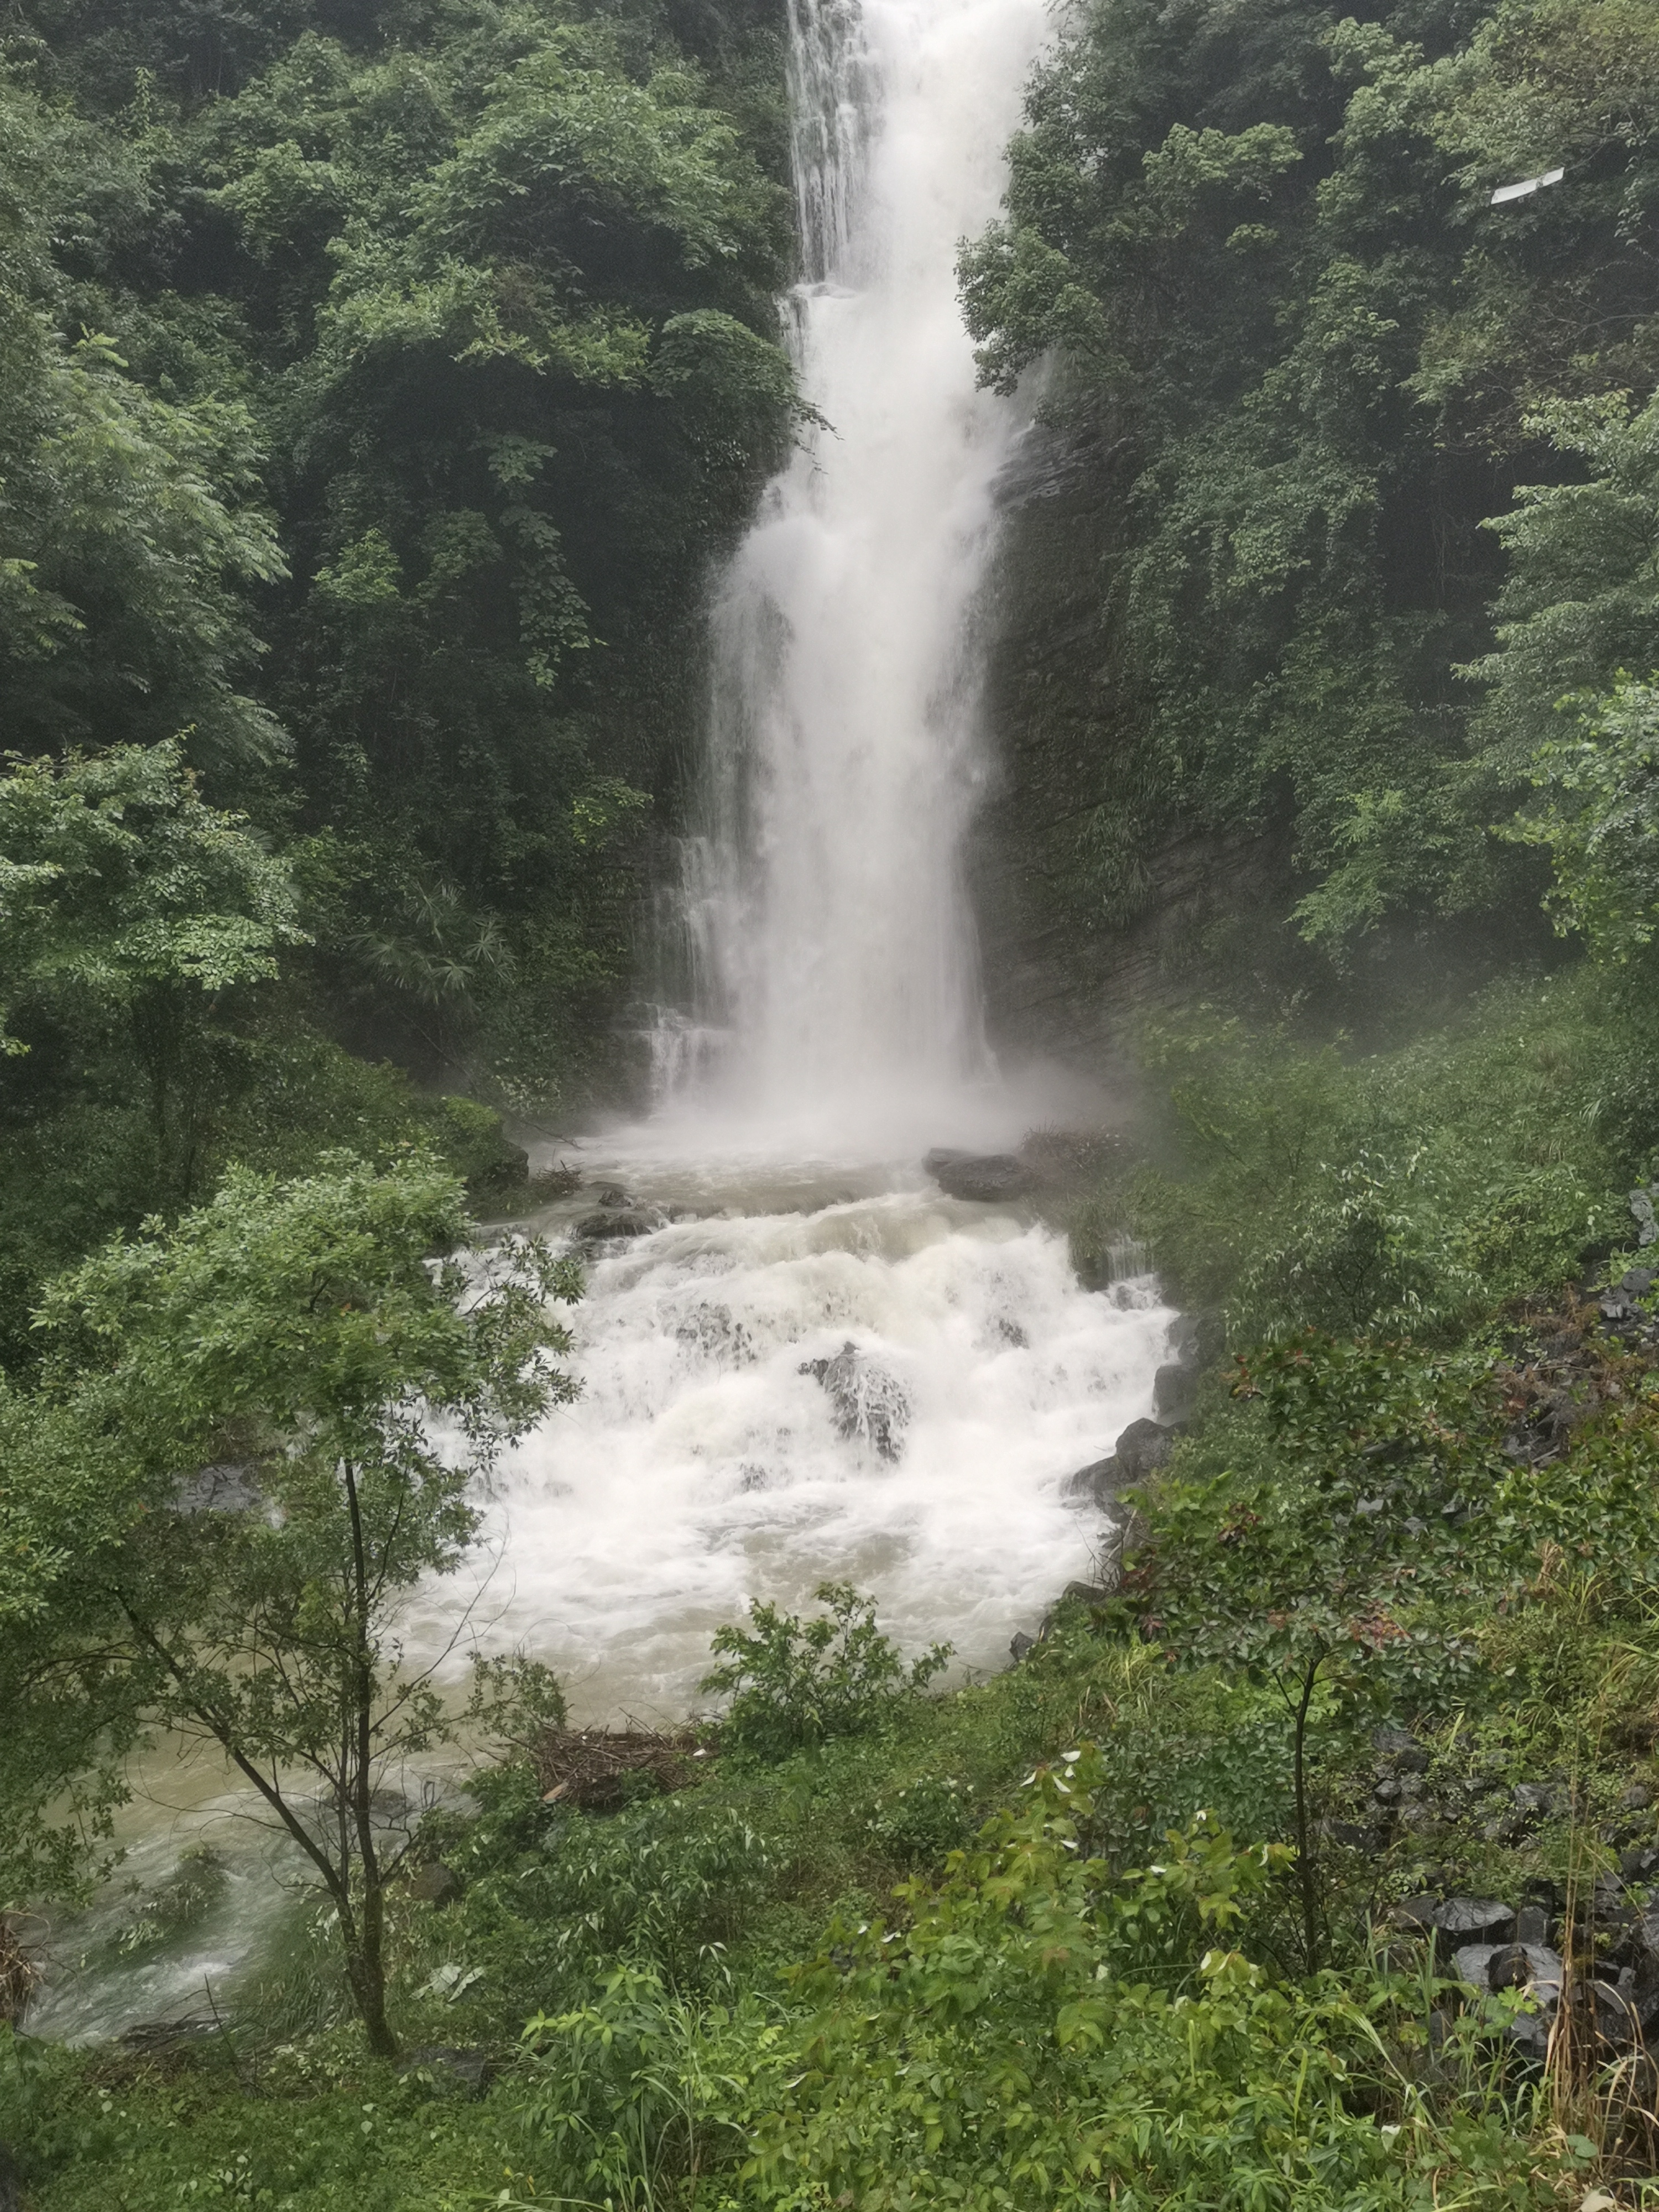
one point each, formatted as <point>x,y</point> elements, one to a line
<point>1323,417</point>
<point>793,1683</point>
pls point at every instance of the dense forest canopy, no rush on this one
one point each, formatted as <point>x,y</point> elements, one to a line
<point>380,383</point>
<point>1367,458</point>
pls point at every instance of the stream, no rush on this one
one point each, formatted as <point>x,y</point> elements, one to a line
<point>811,1364</point>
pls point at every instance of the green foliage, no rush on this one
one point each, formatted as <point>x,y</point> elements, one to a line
<point>1035,2029</point>
<point>648,2067</point>
<point>377,385</point>
<point>1577,605</point>
<point>61,1759</point>
<point>1297,362</point>
<point>917,1825</point>
<point>1407,1190</point>
<point>556,1901</point>
<point>129,536</point>
<point>119,889</point>
<point>795,1683</point>
<point>1599,815</point>
<point>623,2094</point>
<point>314,1330</point>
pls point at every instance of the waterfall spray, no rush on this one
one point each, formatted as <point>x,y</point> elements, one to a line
<point>823,888</point>
<point>817,1366</point>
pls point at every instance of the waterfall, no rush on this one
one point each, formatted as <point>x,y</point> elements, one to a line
<point>824,893</point>
<point>803,1270</point>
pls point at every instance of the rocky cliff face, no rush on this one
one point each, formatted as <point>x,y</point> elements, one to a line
<point>1098,890</point>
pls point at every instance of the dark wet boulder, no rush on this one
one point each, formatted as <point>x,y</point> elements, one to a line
<point>1175,1391</point>
<point>1475,1920</point>
<point>1019,1644</point>
<point>1196,1343</point>
<point>1470,1962</point>
<point>1197,1340</point>
<point>1142,1448</point>
<point>865,1401</point>
<point>982,1178</point>
<point>1085,1594</point>
<point>1401,1747</point>
<point>434,1883</point>
<point>617,1221</point>
<point>1526,1967</point>
<point>1414,1915</point>
<point>1099,1483</point>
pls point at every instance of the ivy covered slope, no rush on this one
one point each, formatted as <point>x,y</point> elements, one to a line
<point>375,383</point>
<point>1349,476</point>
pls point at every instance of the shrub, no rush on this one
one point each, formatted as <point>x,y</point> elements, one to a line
<point>794,1683</point>
<point>918,1824</point>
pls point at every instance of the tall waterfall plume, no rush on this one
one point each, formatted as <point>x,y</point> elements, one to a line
<point>823,897</point>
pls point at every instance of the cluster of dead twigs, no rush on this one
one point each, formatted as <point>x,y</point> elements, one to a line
<point>599,1769</point>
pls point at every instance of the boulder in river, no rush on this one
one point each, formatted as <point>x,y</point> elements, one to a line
<point>1143,1448</point>
<point>865,1400</point>
<point>618,1221</point>
<point>1196,1342</point>
<point>1087,1594</point>
<point>1099,1483</point>
<point>982,1178</point>
<point>1175,1391</point>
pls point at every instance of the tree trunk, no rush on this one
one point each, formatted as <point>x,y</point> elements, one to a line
<point>366,1972</point>
<point>1307,1874</point>
<point>369,1965</point>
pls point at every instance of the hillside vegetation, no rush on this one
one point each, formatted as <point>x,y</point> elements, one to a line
<point>377,382</point>
<point>1355,479</point>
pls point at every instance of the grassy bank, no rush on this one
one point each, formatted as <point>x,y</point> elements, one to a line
<point>966,1955</point>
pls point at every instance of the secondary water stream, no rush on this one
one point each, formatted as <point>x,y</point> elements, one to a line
<point>830,1034</point>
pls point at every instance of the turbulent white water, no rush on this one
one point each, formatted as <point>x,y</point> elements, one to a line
<point>833,1033</point>
<point>702,1466</point>
<point>827,920</point>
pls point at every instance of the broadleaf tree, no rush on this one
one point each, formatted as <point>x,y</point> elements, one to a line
<point>125,899</point>
<point>297,1386</point>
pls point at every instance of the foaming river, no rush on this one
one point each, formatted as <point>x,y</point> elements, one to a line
<point>806,1367</point>
<point>727,1445</point>
<point>707,1462</point>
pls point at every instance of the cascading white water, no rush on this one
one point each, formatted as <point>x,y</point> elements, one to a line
<point>713,1457</point>
<point>834,946</point>
<point>825,903</point>
<point>710,1458</point>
